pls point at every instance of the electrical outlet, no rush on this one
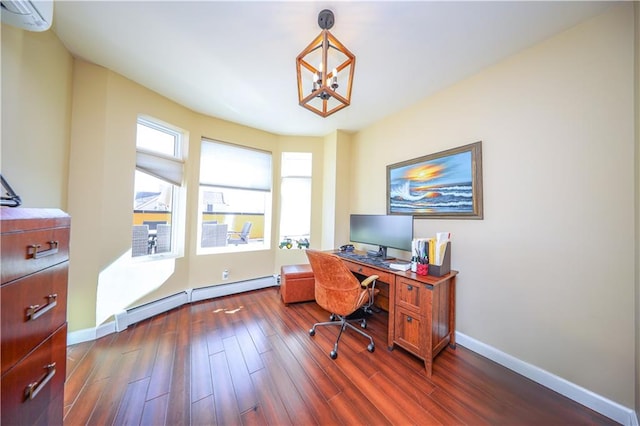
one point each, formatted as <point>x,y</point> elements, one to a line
<point>225,274</point>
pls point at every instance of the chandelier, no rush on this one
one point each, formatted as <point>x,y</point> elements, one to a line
<point>327,88</point>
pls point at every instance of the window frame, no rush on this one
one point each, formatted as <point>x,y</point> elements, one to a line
<point>286,175</point>
<point>172,164</point>
<point>222,185</point>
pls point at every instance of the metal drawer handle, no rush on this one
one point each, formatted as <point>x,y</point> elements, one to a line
<point>409,287</point>
<point>34,388</point>
<point>360,270</point>
<point>409,319</point>
<point>36,311</point>
<point>39,254</point>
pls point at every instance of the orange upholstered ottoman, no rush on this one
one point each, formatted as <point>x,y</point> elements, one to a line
<point>297,284</point>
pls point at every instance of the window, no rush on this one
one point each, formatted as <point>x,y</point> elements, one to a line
<point>295,202</point>
<point>235,198</point>
<point>157,188</point>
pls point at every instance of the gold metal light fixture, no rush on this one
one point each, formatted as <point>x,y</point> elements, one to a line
<point>327,88</point>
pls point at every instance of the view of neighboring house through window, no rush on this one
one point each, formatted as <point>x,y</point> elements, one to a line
<point>235,198</point>
<point>295,202</point>
<point>158,180</point>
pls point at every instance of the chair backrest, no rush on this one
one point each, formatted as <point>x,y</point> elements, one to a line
<point>337,290</point>
<point>241,237</point>
<point>246,228</point>
<point>163,238</point>
<point>140,240</point>
<point>214,234</point>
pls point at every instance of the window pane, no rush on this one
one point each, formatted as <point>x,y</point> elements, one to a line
<point>226,213</point>
<point>235,198</point>
<point>152,215</point>
<point>295,202</point>
<point>152,139</point>
<point>295,217</point>
<point>296,164</point>
<point>157,183</point>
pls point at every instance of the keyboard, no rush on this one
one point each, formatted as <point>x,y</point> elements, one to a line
<point>376,261</point>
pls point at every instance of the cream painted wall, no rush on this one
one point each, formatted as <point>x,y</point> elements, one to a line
<point>102,163</point>
<point>329,183</point>
<point>103,158</point>
<point>336,197</point>
<point>343,185</point>
<point>548,275</point>
<point>36,116</point>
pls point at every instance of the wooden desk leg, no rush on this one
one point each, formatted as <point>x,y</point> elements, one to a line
<point>428,366</point>
<point>392,313</point>
<point>452,312</point>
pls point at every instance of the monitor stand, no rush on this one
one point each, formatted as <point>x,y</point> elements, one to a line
<point>381,253</point>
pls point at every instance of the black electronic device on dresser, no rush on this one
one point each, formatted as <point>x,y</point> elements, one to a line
<point>35,258</point>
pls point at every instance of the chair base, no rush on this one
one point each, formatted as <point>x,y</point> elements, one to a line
<point>343,322</point>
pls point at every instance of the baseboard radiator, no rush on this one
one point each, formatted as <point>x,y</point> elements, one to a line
<point>140,313</point>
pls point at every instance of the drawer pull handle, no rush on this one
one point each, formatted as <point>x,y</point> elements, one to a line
<point>409,319</point>
<point>409,287</point>
<point>39,254</point>
<point>34,388</point>
<point>36,311</point>
<point>360,270</point>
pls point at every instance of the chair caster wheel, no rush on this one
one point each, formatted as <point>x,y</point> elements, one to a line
<point>363,324</point>
<point>312,332</point>
<point>333,354</point>
<point>371,347</point>
<point>332,317</point>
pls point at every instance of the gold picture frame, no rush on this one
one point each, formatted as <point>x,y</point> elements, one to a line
<point>444,185</point>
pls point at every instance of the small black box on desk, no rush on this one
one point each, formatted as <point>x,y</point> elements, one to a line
<point>445,268</point>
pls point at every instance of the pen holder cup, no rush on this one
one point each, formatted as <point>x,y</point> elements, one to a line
<point>422,269</point>
<point>445,268</point>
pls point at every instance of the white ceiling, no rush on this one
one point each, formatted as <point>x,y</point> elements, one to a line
<point>236,59</point>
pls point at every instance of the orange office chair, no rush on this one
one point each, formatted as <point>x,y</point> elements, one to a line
<point>338,291</point>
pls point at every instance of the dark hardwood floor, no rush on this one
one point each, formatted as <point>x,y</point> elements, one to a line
<point>248,359</point>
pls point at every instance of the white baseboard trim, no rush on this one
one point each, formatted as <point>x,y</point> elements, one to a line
<point>598,403</point>
<point>205,293</point>
<point>151,309</point>
<point>88,334</point>
<point>80,336</point>
<point>136,314</point>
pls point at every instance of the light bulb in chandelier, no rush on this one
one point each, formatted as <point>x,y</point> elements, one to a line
<point>334,79</point>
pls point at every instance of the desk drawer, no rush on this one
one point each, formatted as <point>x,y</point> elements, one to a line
<point>24,325</point>
<point>367,271</point>
<point>24,253</point>
<point>409,294</point>
<point>29,389</point>
<point>409,331</point>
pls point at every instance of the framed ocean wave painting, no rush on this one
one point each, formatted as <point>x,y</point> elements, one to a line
<point>444,185</point>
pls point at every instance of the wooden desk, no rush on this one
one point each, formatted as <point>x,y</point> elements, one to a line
<point>422,314</point>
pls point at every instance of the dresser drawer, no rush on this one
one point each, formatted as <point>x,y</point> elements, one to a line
<point>367,271</point>
<point>32,308</point>
<point>25,253</point>
<point>29,388</point>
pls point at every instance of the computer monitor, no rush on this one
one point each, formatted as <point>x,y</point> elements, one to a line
<point>395,231</point>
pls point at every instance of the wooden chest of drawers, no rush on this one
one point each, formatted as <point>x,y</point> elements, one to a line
<point>33,298</point>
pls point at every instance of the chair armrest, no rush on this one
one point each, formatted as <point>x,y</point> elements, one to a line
<point>365,283</point>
